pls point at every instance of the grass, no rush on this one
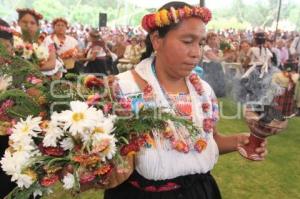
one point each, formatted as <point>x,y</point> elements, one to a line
<point>276,177</point>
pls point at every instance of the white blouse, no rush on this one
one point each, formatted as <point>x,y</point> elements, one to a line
<point>162,161</point>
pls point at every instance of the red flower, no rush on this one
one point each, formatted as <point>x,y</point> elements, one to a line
<point>87,177</point>
<point>205,107</point>
<point>49,180</point>
<point>208,125</point>
<point>126,149</point>
<point>52,151</point>
<point>125,103</point>
<point>92,81</point>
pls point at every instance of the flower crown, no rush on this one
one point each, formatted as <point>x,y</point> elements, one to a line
<point>55,21</point>
<point>166,17</point>
<point>34,13</point>
<point>6,29</point>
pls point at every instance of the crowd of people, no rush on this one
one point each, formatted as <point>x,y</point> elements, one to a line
<point>109,51</point>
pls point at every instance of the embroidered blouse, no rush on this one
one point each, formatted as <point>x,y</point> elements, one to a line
<point>161,160</point>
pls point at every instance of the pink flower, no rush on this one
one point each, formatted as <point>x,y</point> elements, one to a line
<point>93,99</point>
<point>205,107</point>
<point>207,125</point>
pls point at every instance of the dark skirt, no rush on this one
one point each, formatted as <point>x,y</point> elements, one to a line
<point>6,185</point>
<point>215,77</point>
<point>98,66</point>
<point>198,186</point>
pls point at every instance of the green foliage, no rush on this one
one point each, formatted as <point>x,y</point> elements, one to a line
<point>24,105</point>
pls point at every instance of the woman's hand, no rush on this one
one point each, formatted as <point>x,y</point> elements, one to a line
<point>243,139</point>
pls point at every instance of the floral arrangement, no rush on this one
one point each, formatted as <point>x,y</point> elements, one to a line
<point>81,140</point>
<point>226,46</point>
<point>165,17</point>
<point>69,53</point>
<point>35,52</point>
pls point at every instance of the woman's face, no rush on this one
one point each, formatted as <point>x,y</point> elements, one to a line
<point>180,50</point>
<point>60,28</point>
<point>28,23</point>
<point>245,46</point>
<point>214,41</point>
<point>7,45</point>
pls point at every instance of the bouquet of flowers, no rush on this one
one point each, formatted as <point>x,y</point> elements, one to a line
<point>76,135</point>
<point>37,53</point>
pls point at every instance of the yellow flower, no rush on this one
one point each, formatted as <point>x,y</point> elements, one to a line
<point>164,17</point>
<point>158,21</point>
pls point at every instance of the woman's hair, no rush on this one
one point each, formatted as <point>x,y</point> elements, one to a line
<point>210,35</point>
<point>22,12</point>
<point>165,29</point>
<point>4,31</point>
<point>60,19</point>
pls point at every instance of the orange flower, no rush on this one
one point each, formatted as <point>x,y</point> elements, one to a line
<point>103,170</point>
<point>181,146</point>
<point>200,145</point>
<point>86,160</point>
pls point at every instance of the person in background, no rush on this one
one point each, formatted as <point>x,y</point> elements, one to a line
<point>28,20</point>
<point>66,46</point>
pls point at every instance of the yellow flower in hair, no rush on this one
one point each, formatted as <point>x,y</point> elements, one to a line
<point>164,17</point>
<point>187,11</point>
<point>158,21</point>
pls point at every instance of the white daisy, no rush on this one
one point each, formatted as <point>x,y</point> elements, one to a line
<point>13,163</point>
<point>23,180</point>
<point>28,127</point>
<point>69,181</point>
<point>79,118</point>
<point>105,126</point>
<point>53,133</point>
<point>67,144</point>
<point>105,144</point>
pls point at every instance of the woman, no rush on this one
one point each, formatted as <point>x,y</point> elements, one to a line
<point>164,171</point>
<point>28,21</point>
<point>243,54</point>
<point>212,58</point>
<point>97,54</point>
<point>131,56</point>
<point>66,46</point>
<point>6,39</point>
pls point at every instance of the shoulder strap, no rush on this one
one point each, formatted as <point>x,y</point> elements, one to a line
<point>140,81</point>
